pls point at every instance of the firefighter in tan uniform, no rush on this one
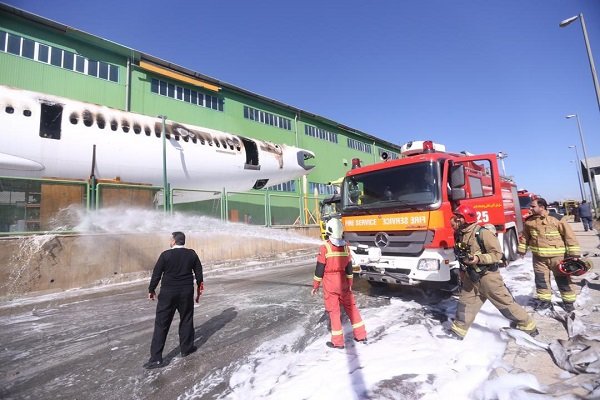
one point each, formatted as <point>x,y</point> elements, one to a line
<point>550,241</point>
<point>479,253</point>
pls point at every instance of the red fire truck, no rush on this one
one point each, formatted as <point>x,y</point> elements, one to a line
<point>525,199</point>
<point>396,213</point>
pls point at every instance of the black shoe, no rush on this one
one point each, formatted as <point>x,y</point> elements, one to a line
<point>363,341</point>
<point>153,364</point>
<point>333,346</point>
<point>568,307</point>
<point>542,305</point>
<point>187,353</point>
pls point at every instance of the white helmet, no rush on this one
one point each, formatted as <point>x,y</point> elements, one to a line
<point>334,228</point>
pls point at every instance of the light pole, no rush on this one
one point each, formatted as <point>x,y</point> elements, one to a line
<point>501,156</point>
<point>164,162</point>
<point>585,157</point>
<point>578,171</point>
<point>589,52</point>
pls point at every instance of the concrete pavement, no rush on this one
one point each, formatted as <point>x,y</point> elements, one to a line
<point>555,381</point>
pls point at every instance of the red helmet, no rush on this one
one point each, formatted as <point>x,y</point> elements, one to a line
<point>574,266</point>
<point>467,212</point>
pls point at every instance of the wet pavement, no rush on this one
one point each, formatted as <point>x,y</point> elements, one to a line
<point>538,362</point>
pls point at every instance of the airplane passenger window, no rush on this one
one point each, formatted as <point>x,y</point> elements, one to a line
<point>88,119</point>
<point>74,118</point>
<point>114,125</point>
<point>147,130</point>
<point>9,110</point>
<point>125,126</point>
<point>100,121</point>
<point>27,113</point>
<point>137,128</point>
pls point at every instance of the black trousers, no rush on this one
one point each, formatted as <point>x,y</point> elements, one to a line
<point>169,300</point>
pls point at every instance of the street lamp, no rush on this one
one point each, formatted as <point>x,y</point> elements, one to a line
<point>589,52</point>
<point>587,167</point>
<point>164,162</point>
<point>578,171</point>
<point>501,156</point>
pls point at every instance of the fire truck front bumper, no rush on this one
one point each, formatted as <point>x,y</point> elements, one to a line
<point>431,266</point>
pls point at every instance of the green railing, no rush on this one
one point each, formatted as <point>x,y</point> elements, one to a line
<point>34,206</point>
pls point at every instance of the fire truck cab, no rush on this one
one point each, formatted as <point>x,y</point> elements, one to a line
<point>396,213</point>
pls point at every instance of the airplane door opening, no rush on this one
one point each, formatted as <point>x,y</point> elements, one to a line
<point>251,154</point>
<point>50,121</point>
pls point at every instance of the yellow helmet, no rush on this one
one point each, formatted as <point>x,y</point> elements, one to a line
<point>334,228</point>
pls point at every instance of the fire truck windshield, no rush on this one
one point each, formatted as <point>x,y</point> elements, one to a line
<point>524,202</point>
<point>403,187</point>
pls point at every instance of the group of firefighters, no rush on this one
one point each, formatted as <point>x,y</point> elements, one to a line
<point>556,253</point>
<point>554,247</point>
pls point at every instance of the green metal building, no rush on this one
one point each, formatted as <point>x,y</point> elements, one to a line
<point>41,55</point>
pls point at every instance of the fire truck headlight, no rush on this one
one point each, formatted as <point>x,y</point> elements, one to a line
<point>429,264</point>
<point>374,254</point>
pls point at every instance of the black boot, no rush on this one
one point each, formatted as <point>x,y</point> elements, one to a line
<point>568,307</point>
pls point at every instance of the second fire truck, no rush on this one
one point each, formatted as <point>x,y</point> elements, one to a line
<point>396,213</point>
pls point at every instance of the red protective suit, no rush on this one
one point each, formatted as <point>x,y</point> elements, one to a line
<point>334,270</point>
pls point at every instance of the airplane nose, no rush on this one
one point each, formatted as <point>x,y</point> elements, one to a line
<point>303,156</point>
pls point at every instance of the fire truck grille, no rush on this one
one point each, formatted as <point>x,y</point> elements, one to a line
<point>401,243</point>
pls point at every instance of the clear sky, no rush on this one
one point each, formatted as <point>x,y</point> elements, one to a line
<point>478,76</point>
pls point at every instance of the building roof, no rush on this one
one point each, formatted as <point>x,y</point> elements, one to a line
<point>138,55</point>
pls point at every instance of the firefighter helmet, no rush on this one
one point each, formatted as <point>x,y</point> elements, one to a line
<point>467,212</point>
<point>334,228</point>
<point>574,266</point>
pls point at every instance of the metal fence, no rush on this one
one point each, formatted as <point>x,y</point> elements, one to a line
<point>48,205</point>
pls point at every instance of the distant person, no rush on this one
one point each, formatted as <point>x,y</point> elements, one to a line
<point>575,211</point>
<point>177,267</point>
<point>550,241</point>
<point>479,253</point>
<point>585,214</point>
<point>334,270</point>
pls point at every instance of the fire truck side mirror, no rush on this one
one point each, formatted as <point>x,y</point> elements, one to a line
<point>457,176</point>
<point>458,194</point>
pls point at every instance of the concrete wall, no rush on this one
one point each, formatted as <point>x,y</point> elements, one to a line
<point>52,263</point>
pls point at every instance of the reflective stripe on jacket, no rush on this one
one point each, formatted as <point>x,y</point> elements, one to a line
<point>547,236</point>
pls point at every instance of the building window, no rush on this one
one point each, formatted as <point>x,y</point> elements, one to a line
<point>360,146</point>
<point>27,48</point>
<point>391,155</point>
<point>322,188</point>
<point>289,186</point>
<point>266,118</point>
<point>320,133</point>
<point>184,94</point>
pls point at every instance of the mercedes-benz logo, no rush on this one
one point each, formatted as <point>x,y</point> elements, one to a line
<point>382,240</point>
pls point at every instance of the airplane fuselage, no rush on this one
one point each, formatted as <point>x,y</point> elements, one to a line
<point>45,136</point>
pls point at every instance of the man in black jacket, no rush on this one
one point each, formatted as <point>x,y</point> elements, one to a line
<point>175,267</point>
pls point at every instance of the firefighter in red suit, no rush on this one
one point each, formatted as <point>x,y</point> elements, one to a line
<point>334,270</point>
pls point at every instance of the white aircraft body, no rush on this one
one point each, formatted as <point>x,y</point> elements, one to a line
<point>45,136</point>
